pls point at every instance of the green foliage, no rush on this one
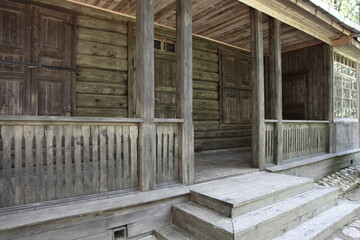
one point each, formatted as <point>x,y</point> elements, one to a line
<point>349,8</point>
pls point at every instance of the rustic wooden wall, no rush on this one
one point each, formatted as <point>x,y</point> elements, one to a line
<point>101,83</point>
<point>306,61</point>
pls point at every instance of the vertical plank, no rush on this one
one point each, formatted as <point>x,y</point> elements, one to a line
<point>329,88</point>
<point>159,163</point>
<point>95,159</point>
<point>19,184</point>
<point>69,177</point>
<point>111,160</point>
<point>126,160</point>
<point>79,188</point>
<point>257,72</point>
<point>40,184</point>
<point>184,88</point>
<point>176,153</point>
<point>60,188</point>
<point>145,106</point>
<point>85,132</point>
<point>165,153</point>
<point>30,184</point>
<point>103,164</point>
<point>133,162</point>
<point>171,152</point>
<point>8,195</point>
<point>118,160</point>
<point>50,184</point>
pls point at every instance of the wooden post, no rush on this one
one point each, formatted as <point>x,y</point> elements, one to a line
<point>145,92</point>
<point>276,81</point>
<point>257,74</point>
<point>329,88</point>
<point>184,88</point>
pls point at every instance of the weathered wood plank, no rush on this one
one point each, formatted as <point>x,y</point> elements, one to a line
<point>8,194</point>
<point>95,159</point>
<point>206,76</point>
<point>103,25</point>
<point>184,75</point>
<point>134,156</point>
<point>50,181</point>
<point>101,101</point>
<point>40,185</point>
<point>79,188</point>
<point>145,88</point>
<point>101,88</point>
<point>60,190</point>
<point>103,163</point>
<point>100,49</point>
<point>100,62</point>
<point>104,37</point>
<point>30,183</point>
<point>18,159</point>
<point>257,72</point>
<point>103,112</point>
<point>111,161</point>
<point>69,177</point>
<point>126,159</point>
<point>88,165</point>
<point>101,76</point>
<point>119,160</point>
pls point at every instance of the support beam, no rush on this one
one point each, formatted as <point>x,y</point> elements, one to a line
<point>145,106</point>
<point>257,74</point>
<point>276,82</point>
<point>329,99</point>
<point>184,88</point>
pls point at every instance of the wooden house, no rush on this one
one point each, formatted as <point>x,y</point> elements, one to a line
<point>110,110</point>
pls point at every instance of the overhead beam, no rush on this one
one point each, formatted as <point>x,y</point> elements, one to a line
<point>283,16</point>
<point>145,84</point>
<point>184,88</point>
<point>258,90</point>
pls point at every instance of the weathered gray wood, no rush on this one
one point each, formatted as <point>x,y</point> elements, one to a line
<point>103,162</point>
<point>276,82</point>
<point>69,184</point>
<point>329,88</point>
<point>257,73</point>
<point>95,159</point>
<point>29,180</point>
<point>79,189</point>
<point>88,167</point>
<point>8,195</point>
<point>60,190</point>
<point>126,159</point>
<point>119,159</point>
<point>18,159</point>
<point>50,189</point>
<point>184,88</point>
<point>145,90</point>
<point>40,186</point>
<point>134,156</point>
<point>111,160</point>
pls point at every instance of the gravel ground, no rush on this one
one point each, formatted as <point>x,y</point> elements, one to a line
<point>348,182</point>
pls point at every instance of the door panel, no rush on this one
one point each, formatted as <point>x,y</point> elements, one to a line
<point>295,97</point>
<point>14,47</point>
<point>52,45</point>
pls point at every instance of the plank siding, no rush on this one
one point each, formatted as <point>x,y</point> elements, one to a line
<point>101,86</point>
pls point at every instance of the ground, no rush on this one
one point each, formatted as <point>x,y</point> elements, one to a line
<point>348,182</point>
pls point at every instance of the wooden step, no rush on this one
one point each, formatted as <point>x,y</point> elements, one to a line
<point>263,223</point>
<point>235,196</point>
<point>172,232</point>
<point>325,224</point>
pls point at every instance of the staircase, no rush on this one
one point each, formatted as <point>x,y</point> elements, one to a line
<point>259,206</point>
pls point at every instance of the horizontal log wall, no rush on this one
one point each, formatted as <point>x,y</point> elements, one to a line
<point>102,53</point>
<point>210,134</point>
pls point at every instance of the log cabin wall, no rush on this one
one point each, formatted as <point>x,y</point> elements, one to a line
<point>102,81</point>
<point>303,84</point>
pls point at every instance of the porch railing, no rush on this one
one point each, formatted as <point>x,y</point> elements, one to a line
<point>45,159</point>
<point>167,149</point>
<point>300,138</point>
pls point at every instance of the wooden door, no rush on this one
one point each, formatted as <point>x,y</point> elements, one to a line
<point>52,44</point>
<point>295,96</point>
<point>235,87</point>
<point>165,85</point>
<point>14,47</point>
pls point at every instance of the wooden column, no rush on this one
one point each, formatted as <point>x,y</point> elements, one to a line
<point>329,90</point>
<point>257,74</point>
<point>276,82</point>
<point>145,106</point>
<point>184,88</point>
